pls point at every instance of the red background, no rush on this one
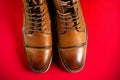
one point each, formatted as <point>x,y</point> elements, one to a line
<point>103,54</point>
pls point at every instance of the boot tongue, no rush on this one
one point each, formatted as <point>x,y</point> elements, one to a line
<point>61,5</point>
<point>34,2</point>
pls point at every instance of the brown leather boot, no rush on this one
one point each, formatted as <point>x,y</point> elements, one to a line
<point>72,36</point>
<point>37,34</point>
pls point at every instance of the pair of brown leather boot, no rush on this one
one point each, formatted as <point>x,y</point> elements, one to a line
<point>71,28</point>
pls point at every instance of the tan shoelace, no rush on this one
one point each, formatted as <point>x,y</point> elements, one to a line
<point>69,16</point>
<point>35,19</point>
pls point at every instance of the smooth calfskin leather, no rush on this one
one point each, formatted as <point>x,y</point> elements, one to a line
<point>72,35</point>
<point>37,34</point>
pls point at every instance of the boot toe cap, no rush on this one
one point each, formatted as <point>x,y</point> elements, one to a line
<point>39,59</point>
<point>73,58</point>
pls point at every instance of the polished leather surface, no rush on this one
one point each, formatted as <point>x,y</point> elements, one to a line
<point>72,36</point>
<point>37,34</point>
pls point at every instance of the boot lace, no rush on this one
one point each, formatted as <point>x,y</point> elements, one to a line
<point>69,16</point>
<point>35,17</point>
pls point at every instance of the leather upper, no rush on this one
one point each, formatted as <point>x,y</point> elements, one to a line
<point>72,35</point>
<point>37,34</point>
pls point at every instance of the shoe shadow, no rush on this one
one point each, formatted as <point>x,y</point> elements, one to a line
<point>14,18</point>
<point>54,32</point>
<point>56,58</point>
